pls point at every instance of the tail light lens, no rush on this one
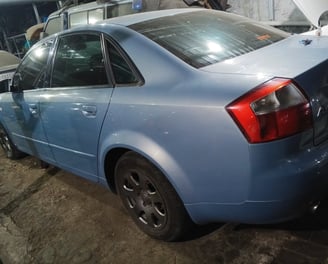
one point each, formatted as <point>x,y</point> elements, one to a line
<point>274,110</point>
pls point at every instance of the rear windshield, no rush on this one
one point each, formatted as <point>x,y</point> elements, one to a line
<point>202,38</point>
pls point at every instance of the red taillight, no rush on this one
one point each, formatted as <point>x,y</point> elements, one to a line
<point>274,110</point>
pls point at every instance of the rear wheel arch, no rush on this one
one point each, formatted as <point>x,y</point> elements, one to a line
<point>113,156</point>
<point>111,160</point>
<point>181,182</point>
<point>149,197</point>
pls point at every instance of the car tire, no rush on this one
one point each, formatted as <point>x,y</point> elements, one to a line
<point>10,149</point>
<point>150,199</point>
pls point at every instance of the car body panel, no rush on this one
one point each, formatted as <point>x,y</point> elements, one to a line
<point>176,118</point>
<point>141,126</point>
<point>308,69</point>
<point>281,185</point>
<point>305,51</point>
<point>70,116</point>
<point>21,115</point>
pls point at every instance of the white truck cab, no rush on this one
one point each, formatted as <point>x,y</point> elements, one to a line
<point>89,13</point>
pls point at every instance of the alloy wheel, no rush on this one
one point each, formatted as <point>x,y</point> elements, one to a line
<point>144,199</point>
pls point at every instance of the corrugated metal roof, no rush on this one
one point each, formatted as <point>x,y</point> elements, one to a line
<point>13,2</point>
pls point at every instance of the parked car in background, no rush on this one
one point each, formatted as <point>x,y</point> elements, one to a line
<point>185,113</point>
<point>8,65</point>
<point>317,13</point>
<point>89,13</point>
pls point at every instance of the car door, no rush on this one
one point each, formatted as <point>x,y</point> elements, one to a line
<point>73,109</point>
<point>20,108</point>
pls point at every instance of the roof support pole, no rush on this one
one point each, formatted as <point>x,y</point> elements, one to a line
<point>36,12</point>
<point>271,10</point>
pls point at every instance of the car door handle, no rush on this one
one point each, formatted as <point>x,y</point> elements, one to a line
<point>33,108</point>
<point>89,110</point>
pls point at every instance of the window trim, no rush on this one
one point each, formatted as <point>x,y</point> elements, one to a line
<point>140,80</point>
<point>109,84</point>
<point>45,70</point>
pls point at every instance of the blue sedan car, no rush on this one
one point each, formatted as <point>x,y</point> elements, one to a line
<point>190,115</point>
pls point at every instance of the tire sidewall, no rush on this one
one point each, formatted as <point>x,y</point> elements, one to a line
<point>173,205</point>
<point>13,152</point>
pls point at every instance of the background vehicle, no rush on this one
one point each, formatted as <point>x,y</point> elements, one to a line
<point>313,11</point>
<point>92,12</point>
<point>89,13</point>
<point>184,113</point>
<point>8,65</point>
<point>317,13</point>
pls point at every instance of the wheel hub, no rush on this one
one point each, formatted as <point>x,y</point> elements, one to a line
<point>146,200</point>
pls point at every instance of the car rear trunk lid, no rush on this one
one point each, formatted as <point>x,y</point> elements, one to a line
<point>315,83</point>
<point>302,58</point>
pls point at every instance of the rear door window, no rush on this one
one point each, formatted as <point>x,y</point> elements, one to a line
<point>79,61</point>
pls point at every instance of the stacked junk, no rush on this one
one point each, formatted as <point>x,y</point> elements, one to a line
<point>150,5</point>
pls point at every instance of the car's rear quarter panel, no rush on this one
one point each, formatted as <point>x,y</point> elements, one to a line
<point>177,119</point>
<point>169,127</point>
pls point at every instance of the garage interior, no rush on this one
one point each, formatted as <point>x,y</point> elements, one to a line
<point>48,215</point>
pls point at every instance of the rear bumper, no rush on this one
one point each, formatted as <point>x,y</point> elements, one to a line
<point>280,186</point>
<point>252,212</point>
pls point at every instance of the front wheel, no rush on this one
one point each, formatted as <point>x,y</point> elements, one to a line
<point>150,199</point>
<point>10,149</point>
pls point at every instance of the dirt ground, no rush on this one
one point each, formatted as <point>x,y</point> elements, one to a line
<point>51,216</point>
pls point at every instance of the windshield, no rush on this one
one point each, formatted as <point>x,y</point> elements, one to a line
<point>202,38</point>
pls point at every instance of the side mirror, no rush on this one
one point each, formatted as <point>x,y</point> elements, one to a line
<point>16,84</point>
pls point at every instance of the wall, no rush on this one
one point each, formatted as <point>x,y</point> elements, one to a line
<point>278,11</point>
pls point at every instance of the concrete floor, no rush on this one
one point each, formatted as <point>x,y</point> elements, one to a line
<point>51,216</point>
